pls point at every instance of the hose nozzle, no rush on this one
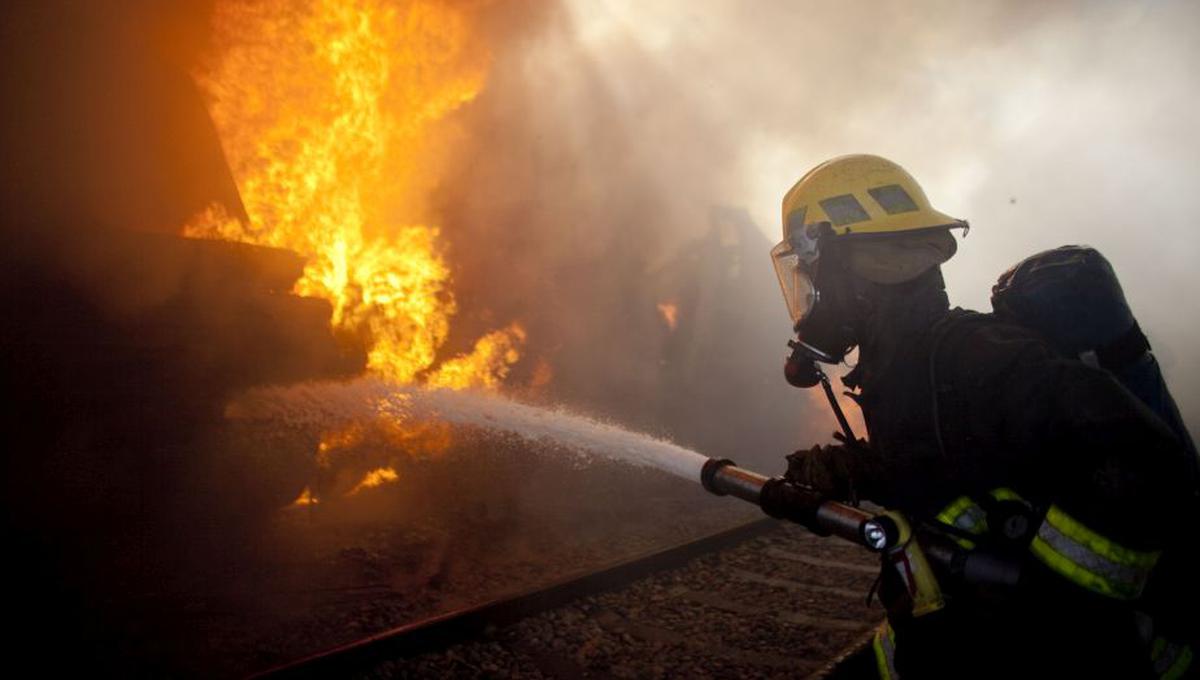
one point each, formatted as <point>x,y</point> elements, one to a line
<point>783,500</point>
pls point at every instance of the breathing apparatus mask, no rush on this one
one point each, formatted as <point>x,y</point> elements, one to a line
<point>795,261</point>
<point>809,265</point>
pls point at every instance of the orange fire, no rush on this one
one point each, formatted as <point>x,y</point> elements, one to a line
<point>306,498</point>
<point>335,118</point>
<point>374,478</point>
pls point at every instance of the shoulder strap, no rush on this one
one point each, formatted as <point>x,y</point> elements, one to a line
<point>956,322</point>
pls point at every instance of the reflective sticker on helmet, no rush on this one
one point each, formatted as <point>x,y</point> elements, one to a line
<point>844,209</point>
<point>893,198</point>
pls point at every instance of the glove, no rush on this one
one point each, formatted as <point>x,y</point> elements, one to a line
<point>825,469</point>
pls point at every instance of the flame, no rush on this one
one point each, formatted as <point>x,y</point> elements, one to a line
<point>486,365</point>
<point>306,498</point>
<point>334,116</point>
<point>670,314</point>
<point>374,478</point>
<point>346,451</point>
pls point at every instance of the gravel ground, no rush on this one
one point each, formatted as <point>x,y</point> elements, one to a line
<point>778,606</point>
<point>452,532</point>
<point>465,529</point>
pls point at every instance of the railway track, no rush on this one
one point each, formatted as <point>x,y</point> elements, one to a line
<point>763,599</point>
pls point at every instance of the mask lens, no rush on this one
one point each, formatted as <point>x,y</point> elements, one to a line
<point>795,279</point>
<point>803,240</point>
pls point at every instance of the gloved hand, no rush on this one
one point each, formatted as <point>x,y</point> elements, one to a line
<point>826,469</point>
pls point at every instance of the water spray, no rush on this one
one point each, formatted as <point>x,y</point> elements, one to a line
<point>321,405</point>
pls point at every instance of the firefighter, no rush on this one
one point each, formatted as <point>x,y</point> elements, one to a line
<point>978,425</point>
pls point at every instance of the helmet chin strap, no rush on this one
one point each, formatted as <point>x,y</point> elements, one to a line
<point>803,370</point>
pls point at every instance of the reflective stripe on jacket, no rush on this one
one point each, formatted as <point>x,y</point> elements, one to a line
<point>1075,552</point>
<point>1086,558</point>
<point>967,515</point>
<point>1171,660</point>
<point>885,652</point>
<point>1067,546</point>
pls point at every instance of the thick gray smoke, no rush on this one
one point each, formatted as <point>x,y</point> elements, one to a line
<point>1043,124</point>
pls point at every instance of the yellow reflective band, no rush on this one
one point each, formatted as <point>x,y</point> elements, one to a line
<point>965,514</point>
<point>1068,569</point>
<point>1109,550</point>
<point>1090,560</point>
<point>1179,667</point>
<point>1170,660</point>
<point>965,543</point>
<point>884,645</point>
<point>1004,493</point>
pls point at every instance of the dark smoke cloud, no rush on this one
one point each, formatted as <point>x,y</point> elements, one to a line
<point>568,214</point>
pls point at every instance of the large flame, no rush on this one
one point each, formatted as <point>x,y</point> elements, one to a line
<point>334,118</point>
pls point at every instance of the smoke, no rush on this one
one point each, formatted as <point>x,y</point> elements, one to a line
<point>608,130</point>
<point>582,197</point>
<point>102,125</point>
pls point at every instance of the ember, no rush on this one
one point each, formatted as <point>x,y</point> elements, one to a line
<point>670,313</point>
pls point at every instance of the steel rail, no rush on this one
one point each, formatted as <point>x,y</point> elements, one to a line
<point>469,623</point>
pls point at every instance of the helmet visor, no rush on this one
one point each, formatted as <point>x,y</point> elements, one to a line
<point>796,279</point>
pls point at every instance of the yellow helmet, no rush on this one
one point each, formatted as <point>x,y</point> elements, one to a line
<point>861,194</point>
<point>846,196</point>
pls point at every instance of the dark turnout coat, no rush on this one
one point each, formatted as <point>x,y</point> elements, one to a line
<point>970,404</point>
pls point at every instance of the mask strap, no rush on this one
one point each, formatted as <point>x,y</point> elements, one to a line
<point>813,356</point>
<point>850,440</point>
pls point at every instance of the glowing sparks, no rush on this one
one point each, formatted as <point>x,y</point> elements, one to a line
<point>333,116</point>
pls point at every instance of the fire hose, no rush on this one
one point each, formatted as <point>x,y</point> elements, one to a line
<point>910,550</point>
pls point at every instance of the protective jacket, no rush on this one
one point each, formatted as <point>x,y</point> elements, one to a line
<point>966,414</point>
